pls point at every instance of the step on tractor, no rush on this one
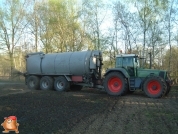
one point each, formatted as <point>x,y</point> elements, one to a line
<point>74,70</point>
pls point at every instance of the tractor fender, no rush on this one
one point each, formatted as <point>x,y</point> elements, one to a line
<point>121,70</point>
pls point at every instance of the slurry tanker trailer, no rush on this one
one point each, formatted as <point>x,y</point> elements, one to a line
<point>74,70</point>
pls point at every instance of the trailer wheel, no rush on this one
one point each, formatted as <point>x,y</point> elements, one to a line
<point>46,83</point>
<point>33,82</point>
<point>76,87</point>
<point>61,84</point>
<point>115,84</point>
<point>154,87</point>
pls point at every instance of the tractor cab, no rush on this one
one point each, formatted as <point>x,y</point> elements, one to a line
<point>128,62</point>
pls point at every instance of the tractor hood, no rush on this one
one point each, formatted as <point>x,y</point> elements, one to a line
<point>145,72</point>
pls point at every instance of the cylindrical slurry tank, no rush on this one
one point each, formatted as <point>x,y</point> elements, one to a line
<point>67,63</point>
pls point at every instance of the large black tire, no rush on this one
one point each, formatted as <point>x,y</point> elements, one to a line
<point>33,82</point>
<point>154,87</point>
<point>168,90</point>
<point>115,84</point>
<point>46,83</point>
<point>61,84</point>
<point>76,87</point>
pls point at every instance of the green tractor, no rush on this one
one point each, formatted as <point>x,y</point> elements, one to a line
<point>127,76</point>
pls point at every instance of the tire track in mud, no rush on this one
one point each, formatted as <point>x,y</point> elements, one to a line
<point>127,117</point>
<point>161,122</point>
<point>132,121</point>
<point>94,123</point>
<point>155,115</point>
<point>124,117</point>
<point>118,112</point>
<point>117,118</point>
<point>132,114</point>
<point>171,107</point>
<point>109,116</point>
<point>137,122</point>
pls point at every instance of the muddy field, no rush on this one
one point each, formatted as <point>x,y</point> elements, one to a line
<point>88,111</point>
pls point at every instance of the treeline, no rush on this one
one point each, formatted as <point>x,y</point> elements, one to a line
<point>132,26</point>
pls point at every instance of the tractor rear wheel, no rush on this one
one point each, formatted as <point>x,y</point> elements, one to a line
<point>61,84</point>
<point>154,87</point>
<point>46,83</point>
<point>115,84</point>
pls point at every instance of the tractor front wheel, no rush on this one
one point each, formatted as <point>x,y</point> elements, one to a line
<point>115,84</point>
<point>154,87</point>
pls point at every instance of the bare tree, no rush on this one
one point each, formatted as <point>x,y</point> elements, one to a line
<point>12,25</point>
<point>33,19</point>
<point>125,19</point>
<point>169,15</point>
<point>91,13</point>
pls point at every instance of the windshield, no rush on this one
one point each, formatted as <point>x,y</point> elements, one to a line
<point>127,61</point>
<point>124,61</point>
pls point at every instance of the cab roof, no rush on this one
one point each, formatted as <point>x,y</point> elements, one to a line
<point>126,55</point>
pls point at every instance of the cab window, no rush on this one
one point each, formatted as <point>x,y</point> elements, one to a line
<point>128,61</point>
<point>119,62</point>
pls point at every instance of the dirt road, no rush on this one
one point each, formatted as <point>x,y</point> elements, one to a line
<point>89,112</point>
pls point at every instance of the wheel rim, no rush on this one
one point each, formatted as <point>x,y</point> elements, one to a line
<point>31,83</point>
<point>45,84</point>
<point>154,87</point>
<point>115,84</point>
<point>60,85</point>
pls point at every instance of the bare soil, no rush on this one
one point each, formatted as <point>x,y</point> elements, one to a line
<point>88,111</point>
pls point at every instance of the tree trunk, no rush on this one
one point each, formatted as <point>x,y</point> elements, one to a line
<point>11,65</point>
